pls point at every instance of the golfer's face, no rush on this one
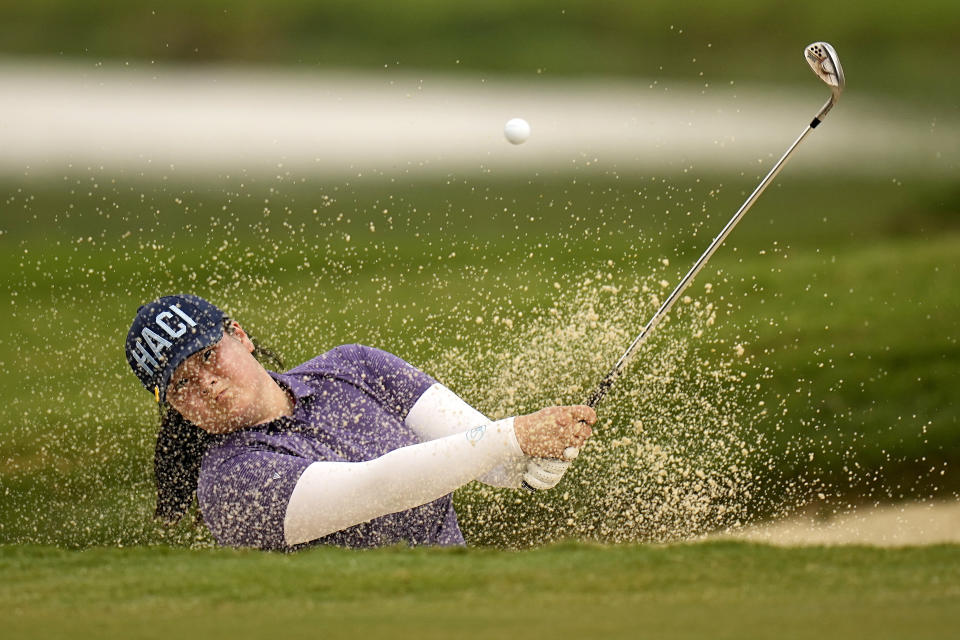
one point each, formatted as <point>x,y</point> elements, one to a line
<point>216,388</point>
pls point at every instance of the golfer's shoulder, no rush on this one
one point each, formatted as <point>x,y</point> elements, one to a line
<point>347,357</point>
<point>243,443</point>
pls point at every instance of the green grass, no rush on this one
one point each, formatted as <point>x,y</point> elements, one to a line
<point>848,316</point>
<point>882,46</point>
<point>717,590</point>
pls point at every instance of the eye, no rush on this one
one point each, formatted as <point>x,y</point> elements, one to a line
<point>207,354</point>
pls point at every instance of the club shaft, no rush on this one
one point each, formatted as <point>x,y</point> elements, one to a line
<point>608,381</point>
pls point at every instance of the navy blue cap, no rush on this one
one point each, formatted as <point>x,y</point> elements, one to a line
<point>166,332</point>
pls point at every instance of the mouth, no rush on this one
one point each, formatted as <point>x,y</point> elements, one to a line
<point>220,395</point>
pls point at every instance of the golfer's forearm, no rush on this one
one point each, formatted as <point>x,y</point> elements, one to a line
<point>440,412</point>
<point>330,496</point>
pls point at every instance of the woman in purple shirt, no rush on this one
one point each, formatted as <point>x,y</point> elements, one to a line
<point>355,448</point>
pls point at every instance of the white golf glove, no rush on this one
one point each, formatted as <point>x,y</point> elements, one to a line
<point>546,473</point>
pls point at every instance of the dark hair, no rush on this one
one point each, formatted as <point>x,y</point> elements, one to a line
<point>180,448</point>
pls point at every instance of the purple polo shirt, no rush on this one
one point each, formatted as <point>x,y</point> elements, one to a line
<point>350,405</point>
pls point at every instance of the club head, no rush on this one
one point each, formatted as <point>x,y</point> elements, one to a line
<point>825,63</point>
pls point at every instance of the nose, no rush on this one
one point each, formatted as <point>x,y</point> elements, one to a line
<point>206,380</point>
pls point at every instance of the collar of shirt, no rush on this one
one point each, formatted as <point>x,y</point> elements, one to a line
<point>299,388</point>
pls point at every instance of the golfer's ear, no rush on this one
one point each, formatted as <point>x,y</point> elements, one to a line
<point>237,332</point>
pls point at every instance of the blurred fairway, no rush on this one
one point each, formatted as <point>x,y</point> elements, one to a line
<point>884,47</point>
<point>718,590</point>
<point>841,289</point>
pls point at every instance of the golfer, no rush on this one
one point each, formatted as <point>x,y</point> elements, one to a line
<point>353,448</point>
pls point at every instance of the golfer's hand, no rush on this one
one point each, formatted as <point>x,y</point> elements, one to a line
<point>546,433</point>
<point>545,473</point>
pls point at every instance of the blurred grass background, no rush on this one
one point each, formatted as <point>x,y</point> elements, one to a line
<point>842,287</point>
<point>888,48</point>
<point>853,311</point>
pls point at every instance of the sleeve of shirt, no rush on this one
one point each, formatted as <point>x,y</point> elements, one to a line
<point>331,496</point>
<point>394,382</point>
<point>439,412</point>
<point>244,493</point>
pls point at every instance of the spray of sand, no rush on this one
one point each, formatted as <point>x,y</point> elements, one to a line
<point>675,447</point>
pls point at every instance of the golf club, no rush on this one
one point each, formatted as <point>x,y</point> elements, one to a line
<point>823,60</point>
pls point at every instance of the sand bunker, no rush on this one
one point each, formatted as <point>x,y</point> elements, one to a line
<point>908,524</point>
<point>221,119</point>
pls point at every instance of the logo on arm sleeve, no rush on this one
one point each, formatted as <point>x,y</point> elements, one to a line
<point>476,434</point>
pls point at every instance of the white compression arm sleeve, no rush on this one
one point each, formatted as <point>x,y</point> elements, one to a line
<point>440,412</point>
<point>330,496</point>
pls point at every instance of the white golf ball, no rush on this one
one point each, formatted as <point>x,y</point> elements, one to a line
<point>517,130</point>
